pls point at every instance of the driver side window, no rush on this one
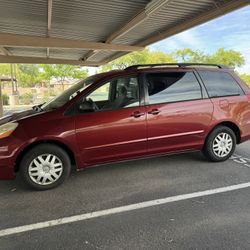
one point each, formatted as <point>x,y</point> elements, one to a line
<point>101,94</point>
<point>118,93</point>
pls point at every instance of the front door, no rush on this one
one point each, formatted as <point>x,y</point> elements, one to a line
<point>177,114</point>
<point>117,129</point>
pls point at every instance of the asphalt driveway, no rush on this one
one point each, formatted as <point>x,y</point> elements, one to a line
<point>216,221</point>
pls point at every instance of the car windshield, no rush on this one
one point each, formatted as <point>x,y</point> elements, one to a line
<point>70,93</point>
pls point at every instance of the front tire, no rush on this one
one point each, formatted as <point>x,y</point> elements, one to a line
<point>45,166</point>
<point>220,144</point>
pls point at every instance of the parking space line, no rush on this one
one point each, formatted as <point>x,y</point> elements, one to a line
<point>116,210</point>
<point>244,161</point>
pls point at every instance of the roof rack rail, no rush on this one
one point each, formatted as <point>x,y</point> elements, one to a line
<point>175,64</point>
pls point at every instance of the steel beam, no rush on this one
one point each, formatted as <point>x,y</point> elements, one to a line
<point>49,42</point>
<point>44,60</point>
<point>5,51</point>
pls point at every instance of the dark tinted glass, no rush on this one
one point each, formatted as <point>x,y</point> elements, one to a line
<point>172,87</point>
<point>220,84</point>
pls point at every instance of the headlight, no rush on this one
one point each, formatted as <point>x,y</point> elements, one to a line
<point>7,129</point>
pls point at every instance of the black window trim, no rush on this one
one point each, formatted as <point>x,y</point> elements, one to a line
<point>203,87</point>
<point>171,71</point>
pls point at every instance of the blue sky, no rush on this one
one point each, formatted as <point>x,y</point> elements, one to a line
<point>231,31</point>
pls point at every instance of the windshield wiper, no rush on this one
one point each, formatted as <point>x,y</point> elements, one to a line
<point>38,107</point>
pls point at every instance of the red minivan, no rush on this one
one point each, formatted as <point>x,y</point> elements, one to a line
<point>144,110</point>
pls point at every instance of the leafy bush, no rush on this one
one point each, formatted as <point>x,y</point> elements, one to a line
<point>26,98</point>
<point>5,98</point>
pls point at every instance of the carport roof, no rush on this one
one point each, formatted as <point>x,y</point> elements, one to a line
<point>92,33</point>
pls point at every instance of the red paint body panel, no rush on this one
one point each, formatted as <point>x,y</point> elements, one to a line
<point>50,126</point>
<point>178,126</point>
<point>107,136</point>
<point>236,110</point>
<point>111,135</point>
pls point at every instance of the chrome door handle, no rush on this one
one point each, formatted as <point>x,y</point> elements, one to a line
<point>137,114</point>
<point>154,112</point>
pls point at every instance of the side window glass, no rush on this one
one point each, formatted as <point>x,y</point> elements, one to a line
<point>220,84</point>
<point>101,94</point>
<point>172,87</point>
<point>116,94</point>
<point>126,93</point>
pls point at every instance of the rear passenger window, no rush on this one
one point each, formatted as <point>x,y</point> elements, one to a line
<point>220,84</point>
<point>172,87</point>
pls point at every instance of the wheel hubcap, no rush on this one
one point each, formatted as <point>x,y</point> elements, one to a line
<point>45,169</point>
<point>222,145</point>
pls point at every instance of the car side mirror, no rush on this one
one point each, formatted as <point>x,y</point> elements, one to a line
<point>85,107</point>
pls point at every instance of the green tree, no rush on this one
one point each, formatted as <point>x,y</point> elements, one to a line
<point>139,57</point>
<point>188,56</point>
<point>28,75</point>
<point>230,58</point>
<point>79,73</point>
<point>47,72</point>
<point>4,70</point>
<point>245,78</point>
<point>62,72</point>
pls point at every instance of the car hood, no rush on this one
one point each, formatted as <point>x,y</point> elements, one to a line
<point>17,116</point>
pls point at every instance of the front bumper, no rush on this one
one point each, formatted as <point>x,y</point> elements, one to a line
<point>6,169</point>
<point>8,150</point>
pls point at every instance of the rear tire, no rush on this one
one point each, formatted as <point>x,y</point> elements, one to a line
<point>45,166</point>
<point>220,144</point>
